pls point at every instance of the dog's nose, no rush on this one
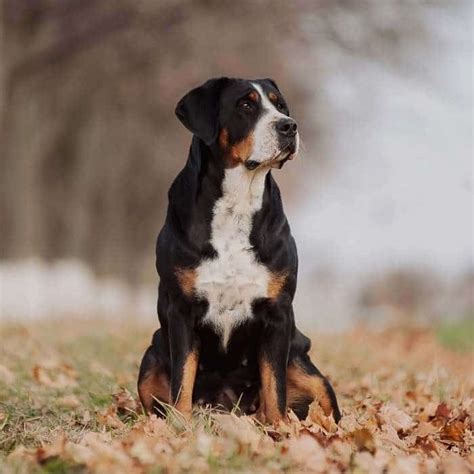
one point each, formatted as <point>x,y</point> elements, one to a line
<point>286,127</point>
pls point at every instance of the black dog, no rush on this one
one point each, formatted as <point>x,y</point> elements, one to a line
<point>227,264</point>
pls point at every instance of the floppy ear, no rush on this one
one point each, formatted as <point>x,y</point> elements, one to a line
<point>273,83</point>
<point>198,110</point>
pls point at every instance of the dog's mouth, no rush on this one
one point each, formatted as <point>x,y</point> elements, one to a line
<point>287,153</point>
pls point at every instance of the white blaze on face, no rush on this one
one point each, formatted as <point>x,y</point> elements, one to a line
<point>266,144</point>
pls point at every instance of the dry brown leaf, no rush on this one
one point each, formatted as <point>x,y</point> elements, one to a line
<point>426,444</point>
<point>390,436</point>
<point>22,453</point>
<point>404,465</point>
<point>453,431</point>
<point>428,411</point>
<point>56,377</point>
<point>317,415</point>
<point>443,411</point>
<point>241,429</point>
<point>398,419</point>
<point>143,451</point>
<point>68,401</point>
<point>124,401</point>
<point>453,463</point>
<point>156,427</point>
<point>306,451</point>
<point>364,440</point>
<point>349,423</point>
<point>424,429</point>
<point>109,418</point>
<point>55,449</point>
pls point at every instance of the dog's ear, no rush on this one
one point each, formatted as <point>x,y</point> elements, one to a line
<point>198,110</point>
<point>273,83</point>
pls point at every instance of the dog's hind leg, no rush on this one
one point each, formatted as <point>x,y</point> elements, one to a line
<point>306,384</point>
<point>153,382</point>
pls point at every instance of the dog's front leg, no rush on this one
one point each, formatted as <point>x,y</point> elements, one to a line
<point>184,352</point>
<point>273,361</point>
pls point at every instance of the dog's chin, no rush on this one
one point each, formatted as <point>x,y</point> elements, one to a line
<point>275,162</point>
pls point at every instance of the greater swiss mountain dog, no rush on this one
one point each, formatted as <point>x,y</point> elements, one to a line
<point>228,265</point>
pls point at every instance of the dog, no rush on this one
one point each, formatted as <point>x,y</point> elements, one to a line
<point>228,264</point>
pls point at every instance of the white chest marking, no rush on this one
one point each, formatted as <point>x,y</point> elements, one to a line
<point>233,280</point>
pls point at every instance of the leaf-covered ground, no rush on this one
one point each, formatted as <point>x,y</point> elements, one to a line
<point>68,404</point>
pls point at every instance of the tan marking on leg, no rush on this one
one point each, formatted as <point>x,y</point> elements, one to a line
<point>154,385</point>
<point>186,280</point>
<point>269,395</point>
<point>275,285</point>
<point>301,385</point>
<point>185,398</point>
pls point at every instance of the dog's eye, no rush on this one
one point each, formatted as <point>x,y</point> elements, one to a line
<point>281,106</point>
<point>246,105</point>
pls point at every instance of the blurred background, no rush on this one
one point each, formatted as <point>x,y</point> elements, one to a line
<point>380,201</point>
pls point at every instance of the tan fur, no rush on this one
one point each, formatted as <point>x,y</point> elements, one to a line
<point>186,280</point>
<point>275,285</point>
<point>242,150</point>
<point>153,386</point>
<point>301,385</point>
<point>224,138</point>
<point>269,411</point>
<point>237,153</point>
<point>185,399</point>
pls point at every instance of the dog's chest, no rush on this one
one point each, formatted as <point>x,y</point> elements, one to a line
<point>234,279</point>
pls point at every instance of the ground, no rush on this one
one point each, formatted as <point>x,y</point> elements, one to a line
<point>68,404</point>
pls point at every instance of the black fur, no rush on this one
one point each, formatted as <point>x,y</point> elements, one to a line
<point>184,242</point>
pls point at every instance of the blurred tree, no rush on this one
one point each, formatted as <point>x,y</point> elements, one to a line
<point>89,140</point>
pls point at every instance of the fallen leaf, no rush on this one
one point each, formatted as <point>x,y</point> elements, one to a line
<point>364,440</point>
<point>55,449</point>
<point>428,411</point>
<point>317,415</point>
<point>109,418</point>
<point>424,429</point>
<point>443,412</point>
<point>453,431</point>
<point>124,401</point>
<point>426,444</point>
<point>68,401</point>
<point>306,451</point>
<point>398,419</point>
<point>58,377</point>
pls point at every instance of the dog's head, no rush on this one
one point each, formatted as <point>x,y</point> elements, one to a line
<point>248,121</point>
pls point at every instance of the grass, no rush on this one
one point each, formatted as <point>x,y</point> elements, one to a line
<point>458,335</point>
<point>68,404</point>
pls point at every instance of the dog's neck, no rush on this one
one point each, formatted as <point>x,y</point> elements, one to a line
<point>240,185</point>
